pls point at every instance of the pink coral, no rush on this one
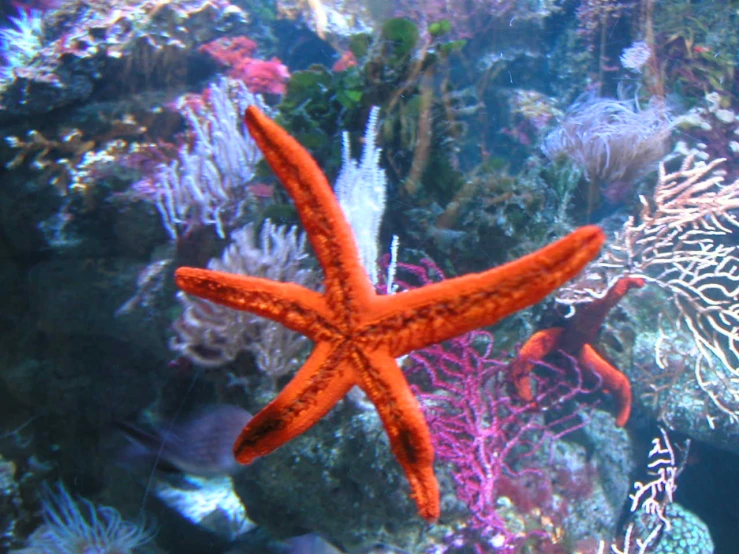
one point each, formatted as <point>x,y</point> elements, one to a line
<point>346,61</point>
<point>229,51</point>
<point>261,76</point>
<point>493,443</point>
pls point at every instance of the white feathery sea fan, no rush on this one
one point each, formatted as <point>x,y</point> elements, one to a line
<point>206,184</point>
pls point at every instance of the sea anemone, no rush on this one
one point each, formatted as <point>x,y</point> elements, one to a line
<point>612,141</point>
<point>81,527</point>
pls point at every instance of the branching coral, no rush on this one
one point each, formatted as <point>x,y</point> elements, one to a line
<point>491,440</point>
<point>206,184</point>
<point>73,159</point>
<point>361,190</point>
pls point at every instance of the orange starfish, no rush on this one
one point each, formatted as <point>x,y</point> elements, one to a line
<point>359,334</point>
<point>576,339</point>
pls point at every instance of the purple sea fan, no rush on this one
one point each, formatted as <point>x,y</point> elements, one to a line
<point>481,430</point>
<point>613,142</point>
<point>484,432</point>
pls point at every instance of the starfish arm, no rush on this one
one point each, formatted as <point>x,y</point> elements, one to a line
<point>401,415</point>
<point>323,219</point>
<point>296,307</point>
<point>323,380</point>
<point>613,380</point>
<point>588,319</point>
<point>434,313</point>
<point>539,345</point>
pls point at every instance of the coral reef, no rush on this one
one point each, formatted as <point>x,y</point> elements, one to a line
<point>141,43</point>
<point>124,157</point>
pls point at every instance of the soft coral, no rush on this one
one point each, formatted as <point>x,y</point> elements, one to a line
<point>262,76</point>
<point>259,76</point>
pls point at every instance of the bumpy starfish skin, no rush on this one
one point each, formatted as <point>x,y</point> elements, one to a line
<point>576,339</point>
<point>357,333</point>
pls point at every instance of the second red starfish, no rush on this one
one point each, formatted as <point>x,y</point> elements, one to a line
<point>357,333</point>
<point>576,339</point>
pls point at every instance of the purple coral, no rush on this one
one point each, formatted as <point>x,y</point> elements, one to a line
<point>489,437</point>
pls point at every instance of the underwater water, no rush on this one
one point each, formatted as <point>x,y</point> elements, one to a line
<point>333,276</point>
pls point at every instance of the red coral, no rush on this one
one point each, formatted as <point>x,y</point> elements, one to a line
<point>261,76</point>
<point>346,61</point>
<point>229,51</point>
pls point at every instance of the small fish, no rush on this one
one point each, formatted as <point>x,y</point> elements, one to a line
<point>199,444</point>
